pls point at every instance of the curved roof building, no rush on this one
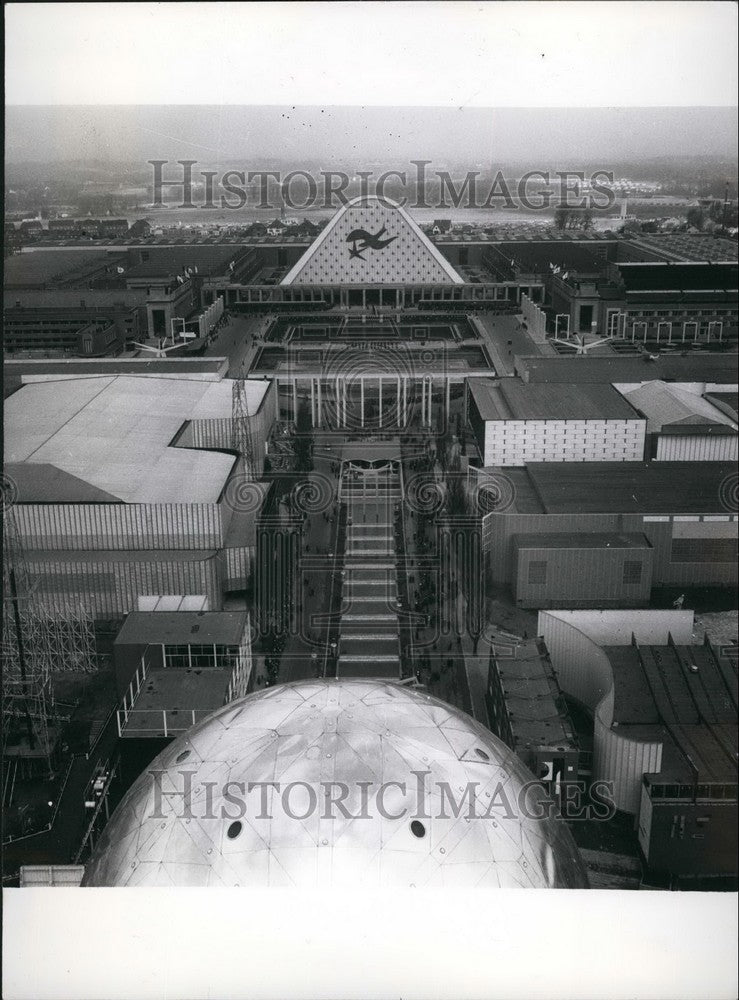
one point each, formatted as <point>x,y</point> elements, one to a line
<point>123,435</point>
<point>334,784</point>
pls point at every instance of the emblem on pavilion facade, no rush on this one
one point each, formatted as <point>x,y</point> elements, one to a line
<point>361,240</point>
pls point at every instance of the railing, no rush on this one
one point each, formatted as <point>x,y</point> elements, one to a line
<point>98,797</point>
<point>407,653</point>
<point>9,784</point>
<point>241,673</point>
<point>333,619</point>
<point>131,695</point>
<point>101,731</point>
<point>154,722</point>
<point>50,824</point>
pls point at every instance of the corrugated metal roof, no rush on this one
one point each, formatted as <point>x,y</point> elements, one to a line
<point>633,703</point>
<point>531,691</point>
<point>95,558</point>
<point>727,402</point>
<point>664,404</point>
<point>678,695</point>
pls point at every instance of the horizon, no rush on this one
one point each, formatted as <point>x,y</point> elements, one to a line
<point>131,133</point>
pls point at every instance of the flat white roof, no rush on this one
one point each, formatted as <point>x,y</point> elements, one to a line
<point>115,432</point>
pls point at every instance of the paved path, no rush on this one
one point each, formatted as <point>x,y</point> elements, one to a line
<point>505,338</point>
<point>236,340</point>
<point>462,666</point>
<point>309,650</point>
<point>505,625</point>
<point>438,659</point>
<point>59,845</point>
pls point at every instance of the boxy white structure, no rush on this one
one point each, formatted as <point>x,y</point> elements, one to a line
<point>517,423</point>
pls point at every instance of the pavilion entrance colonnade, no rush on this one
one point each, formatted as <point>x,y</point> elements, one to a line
<point>371,401</point>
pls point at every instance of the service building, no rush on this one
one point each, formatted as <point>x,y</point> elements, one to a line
<point>516,423</point>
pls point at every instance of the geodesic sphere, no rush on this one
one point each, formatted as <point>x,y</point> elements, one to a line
<point>336,783</point>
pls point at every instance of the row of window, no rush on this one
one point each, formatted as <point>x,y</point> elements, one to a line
<point>554,445</point>
<point>173,650</point>
<point>707,518</point>
<point>183,657</point>
<point>702,791</point>
<point>686,324</point>
<point>13,343</point>
<point>576,433</point>
<point>515,457</point>
<point>708,313</point>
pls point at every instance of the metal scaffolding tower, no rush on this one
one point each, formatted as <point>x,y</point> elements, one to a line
<point>242,438</point>
<point>37,642</point>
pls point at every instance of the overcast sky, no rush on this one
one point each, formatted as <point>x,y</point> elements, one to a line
<point>448,54</point>
<point>355,138</point>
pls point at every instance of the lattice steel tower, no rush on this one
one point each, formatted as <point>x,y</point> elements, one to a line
<point>37,642</point>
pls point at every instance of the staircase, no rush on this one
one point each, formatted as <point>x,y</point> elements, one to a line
<point>376,326</point>
<point>369,628</point>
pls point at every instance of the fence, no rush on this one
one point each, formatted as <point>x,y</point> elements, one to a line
<point>50,824</point>
<point>155,722</point>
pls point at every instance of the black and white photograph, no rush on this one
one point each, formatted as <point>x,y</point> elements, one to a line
<point>370,500</point>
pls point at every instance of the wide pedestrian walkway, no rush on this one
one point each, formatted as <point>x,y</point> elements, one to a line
<point>369,644</point>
